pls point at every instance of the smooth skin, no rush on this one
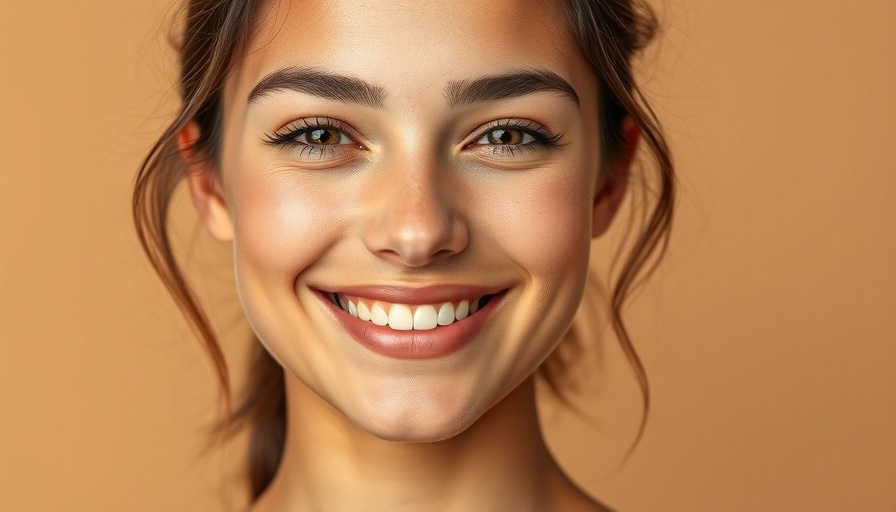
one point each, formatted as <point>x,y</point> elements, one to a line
<point>414,191</point>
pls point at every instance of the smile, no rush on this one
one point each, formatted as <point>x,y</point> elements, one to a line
<point>413,323</point>
<point>406,317</point>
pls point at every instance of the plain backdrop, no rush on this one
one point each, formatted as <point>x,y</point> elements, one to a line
<point>769,334</point>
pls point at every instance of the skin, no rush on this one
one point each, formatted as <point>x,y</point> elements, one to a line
<point>415,196</point>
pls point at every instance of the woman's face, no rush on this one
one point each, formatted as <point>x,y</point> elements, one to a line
<point>405,156</point>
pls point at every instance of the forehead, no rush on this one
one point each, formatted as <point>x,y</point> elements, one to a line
<point>410,45</point>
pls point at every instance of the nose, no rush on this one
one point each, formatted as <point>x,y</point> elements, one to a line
<point>412,221</point>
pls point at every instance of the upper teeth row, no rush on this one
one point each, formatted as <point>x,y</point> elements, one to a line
<point>403,317</point>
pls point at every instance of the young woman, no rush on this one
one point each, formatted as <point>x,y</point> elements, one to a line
<point>410,190</point>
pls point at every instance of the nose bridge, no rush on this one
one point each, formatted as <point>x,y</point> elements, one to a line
<point>413,222</point>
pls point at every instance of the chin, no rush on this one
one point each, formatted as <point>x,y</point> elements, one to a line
<point>415,419</point>
<point>418,432</point>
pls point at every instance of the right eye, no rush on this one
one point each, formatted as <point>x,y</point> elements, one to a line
<point>506,136</point>
<point>314,136</point>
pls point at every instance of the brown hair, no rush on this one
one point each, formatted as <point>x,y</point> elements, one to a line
<point>609,34</point>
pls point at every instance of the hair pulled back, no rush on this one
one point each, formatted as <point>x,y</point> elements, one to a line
<point>609,33</point>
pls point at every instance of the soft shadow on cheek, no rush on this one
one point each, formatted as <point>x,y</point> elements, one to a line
<point>283,227</point>
<point>547,227</point>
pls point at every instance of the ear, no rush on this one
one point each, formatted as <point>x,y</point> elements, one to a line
<point>613,183</point>
<point>205,189</point>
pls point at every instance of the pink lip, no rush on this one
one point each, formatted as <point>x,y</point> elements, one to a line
<point>429,344</point>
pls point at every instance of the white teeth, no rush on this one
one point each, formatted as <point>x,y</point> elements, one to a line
<point>463,310</point>
<point>400,318</point>
<point>425,318</point>
<point>378,314</point>
<point>404,317</point>
<point>363,312</point>
<point>446,314</point>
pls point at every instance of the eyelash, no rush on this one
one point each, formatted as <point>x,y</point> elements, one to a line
<point>542,139</point>
<point>288,135</point>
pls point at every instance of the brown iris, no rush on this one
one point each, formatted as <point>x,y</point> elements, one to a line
<point>323,136</point>
<point>505,136</point>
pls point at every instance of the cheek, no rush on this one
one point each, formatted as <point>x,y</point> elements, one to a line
<point>540,225</point>
<point>543,223</point>
<point>282,226</point>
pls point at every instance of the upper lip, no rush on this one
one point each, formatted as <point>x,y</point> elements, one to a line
<point>422,295</point>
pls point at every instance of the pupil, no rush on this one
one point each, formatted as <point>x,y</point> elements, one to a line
<point>503,137</point>
<point>322,136</point>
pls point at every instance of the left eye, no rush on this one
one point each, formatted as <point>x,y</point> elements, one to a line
<point>322,137</point>
<point>506,136</point>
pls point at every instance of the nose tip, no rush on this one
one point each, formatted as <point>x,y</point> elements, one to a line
<point>417,242</point>
<point>415,227</point>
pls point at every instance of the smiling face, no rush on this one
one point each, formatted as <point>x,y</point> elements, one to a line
<point>431,167</point>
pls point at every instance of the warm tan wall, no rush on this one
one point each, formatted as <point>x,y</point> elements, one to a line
<point>769,335</point>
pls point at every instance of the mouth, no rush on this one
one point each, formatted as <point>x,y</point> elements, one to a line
<point>406,317</point>
<point>413,323</point>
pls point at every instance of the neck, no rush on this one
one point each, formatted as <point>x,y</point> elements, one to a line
<point>499,463</point>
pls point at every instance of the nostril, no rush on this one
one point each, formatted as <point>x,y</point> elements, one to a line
<point>442,253</point>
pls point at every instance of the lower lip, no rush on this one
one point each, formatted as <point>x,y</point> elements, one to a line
<point>413,344</point>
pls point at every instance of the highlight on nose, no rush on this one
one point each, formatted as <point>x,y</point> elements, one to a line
<point>418,245</point>
<point>415,231</point>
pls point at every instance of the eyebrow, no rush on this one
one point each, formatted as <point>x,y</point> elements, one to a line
<point>319,83</point>
<point>520,83</point>
<point>457,93</point>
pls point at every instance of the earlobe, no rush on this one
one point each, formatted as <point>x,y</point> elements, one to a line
<point>614,182</point>
<point>204,186</point>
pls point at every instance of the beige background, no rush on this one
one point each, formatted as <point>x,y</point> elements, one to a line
<point>769,335</point>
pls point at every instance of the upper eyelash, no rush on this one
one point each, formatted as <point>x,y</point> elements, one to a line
<point>288,133</point>
<point>286,136</point>
<point>540,134</point>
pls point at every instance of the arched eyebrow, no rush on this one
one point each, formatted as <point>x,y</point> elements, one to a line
<point>496,87</point>
<point>320,83</point>
<point>457,93</point>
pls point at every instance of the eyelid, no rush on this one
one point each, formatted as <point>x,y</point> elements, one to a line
<point>540,132</point>
<point>288,131</point>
